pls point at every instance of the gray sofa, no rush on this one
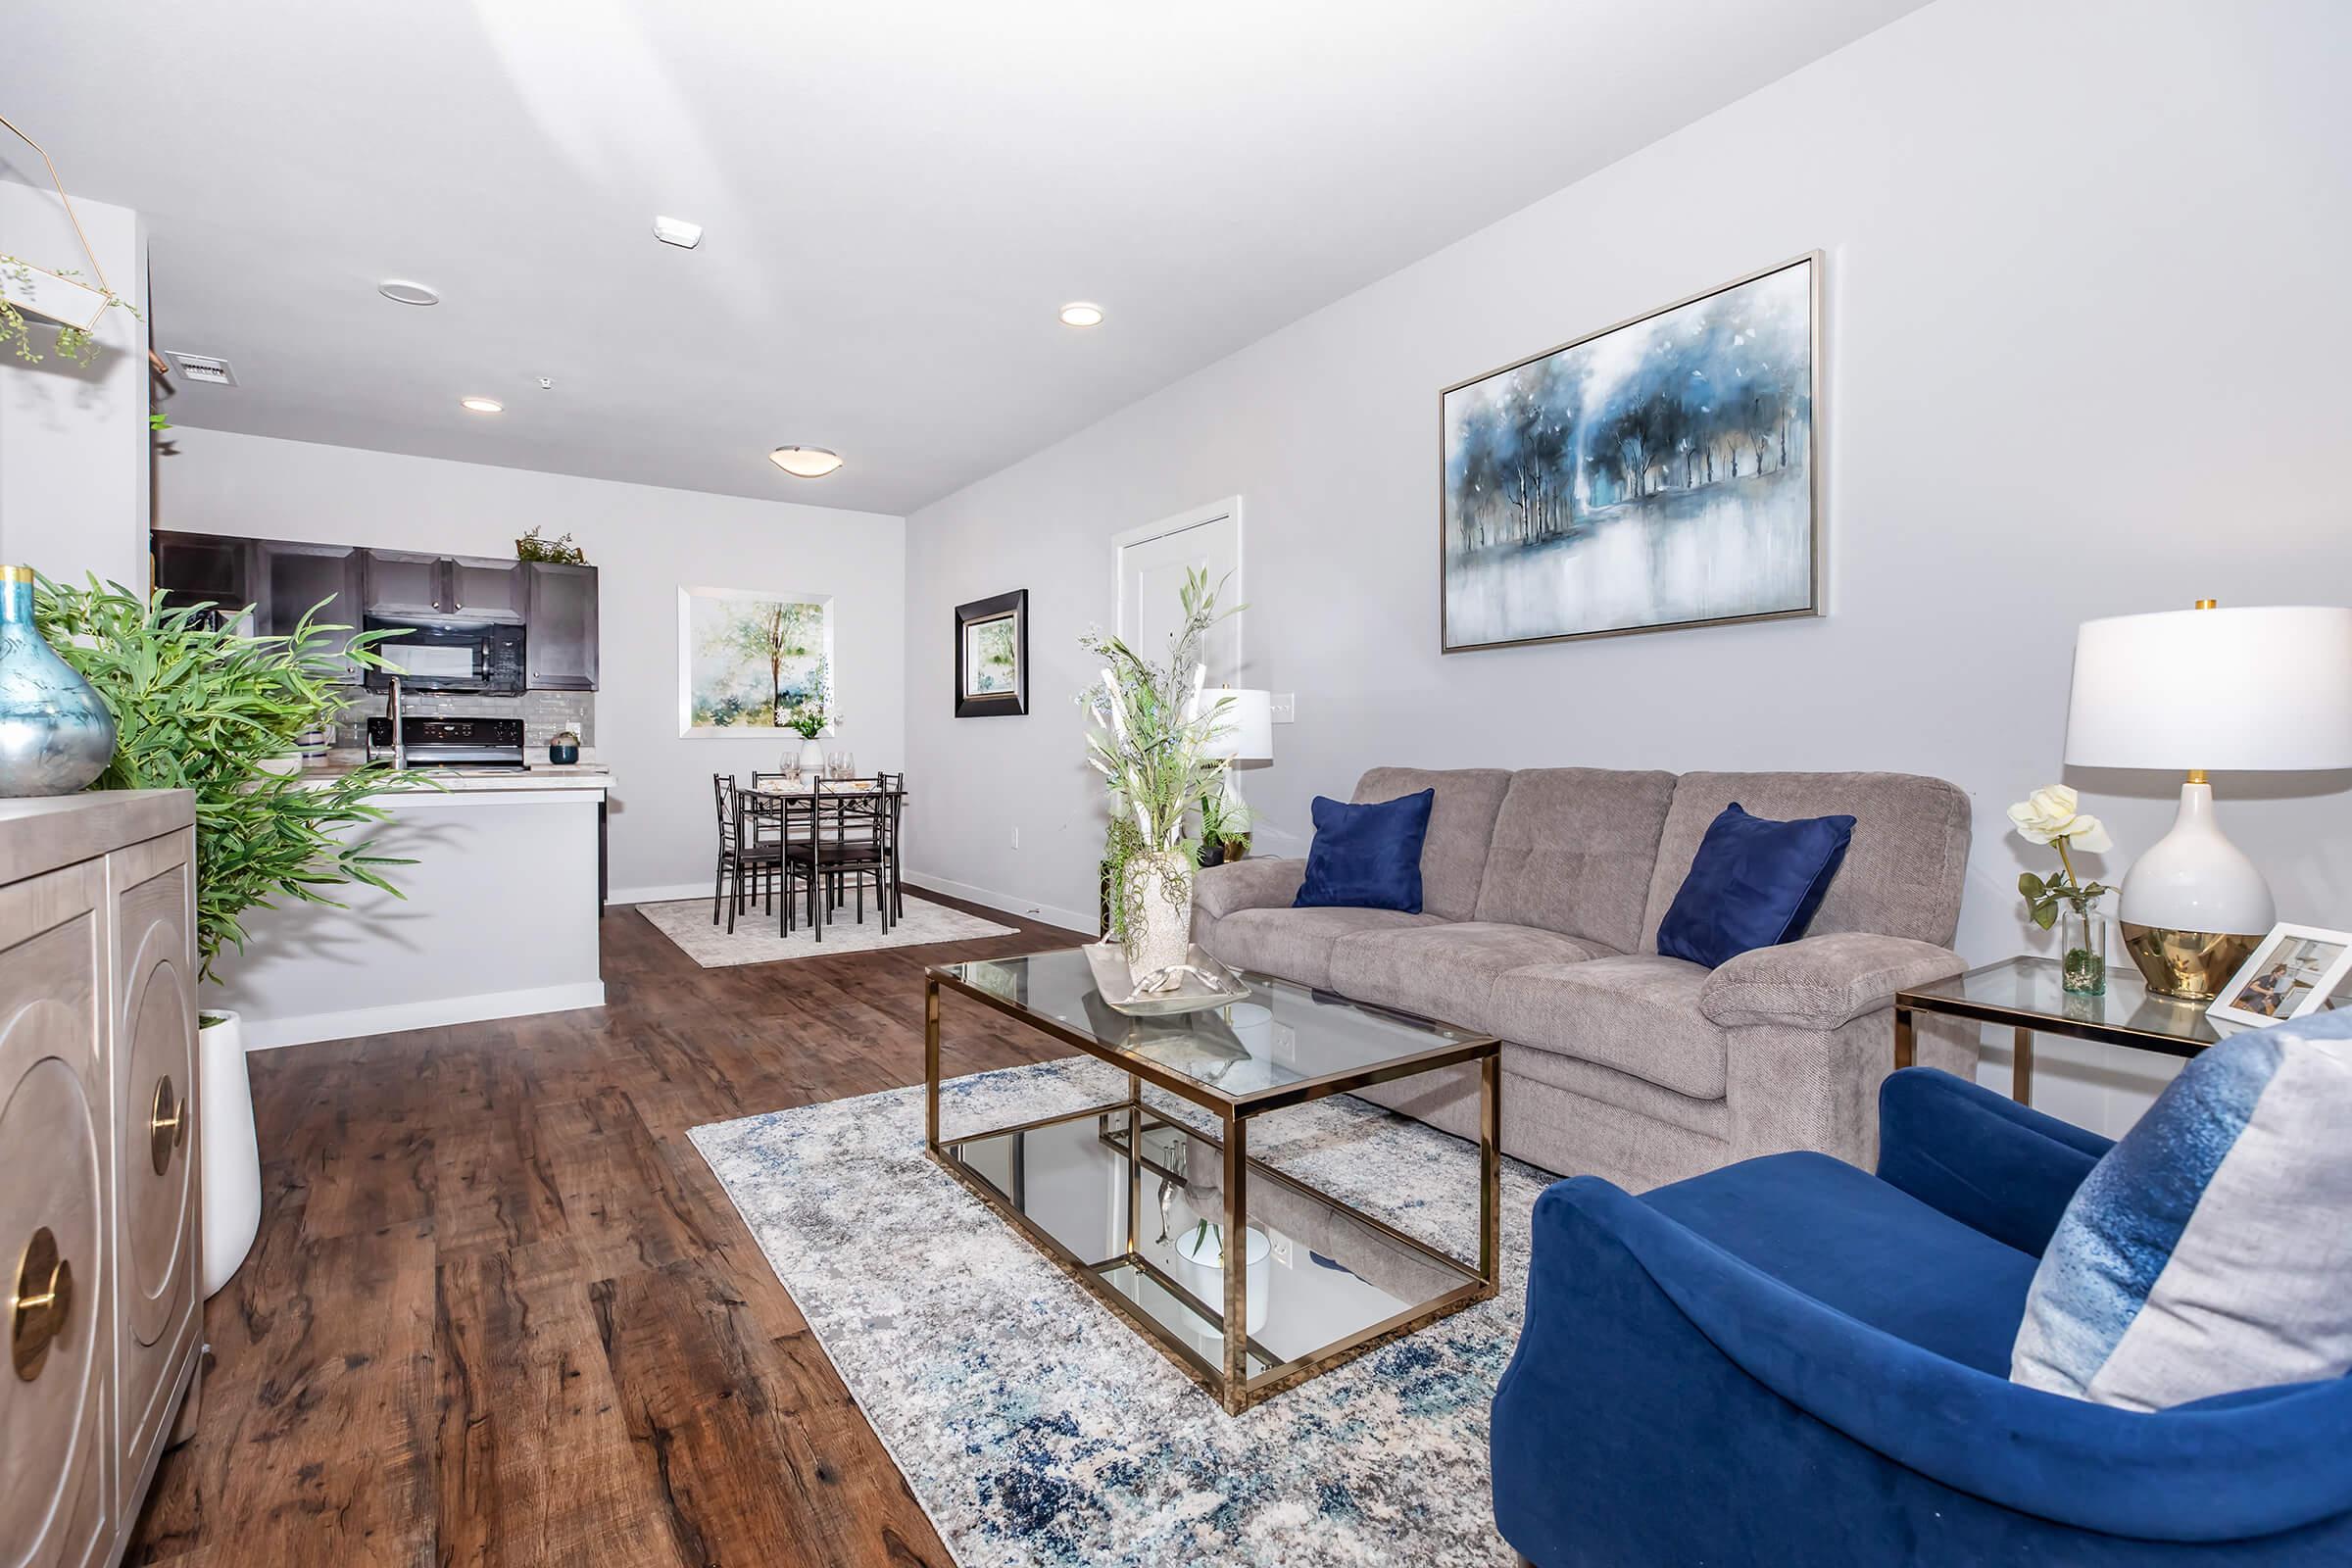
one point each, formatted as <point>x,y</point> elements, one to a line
<point>1542,893</point>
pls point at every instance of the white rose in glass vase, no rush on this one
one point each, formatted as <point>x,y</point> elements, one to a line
<point>2053,815</point>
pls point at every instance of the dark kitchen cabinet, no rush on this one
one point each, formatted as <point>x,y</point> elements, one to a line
<point>561,604</point>
<point>296,578</point>
<point>555,605</point>
<point>484,590</point>
<point>402,584</point>
<point>195,569</point>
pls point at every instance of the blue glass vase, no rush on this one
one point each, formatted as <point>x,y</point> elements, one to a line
<point>56,734</point>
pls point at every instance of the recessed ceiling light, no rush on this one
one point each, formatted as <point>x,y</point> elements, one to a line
<point>1078,313</point>
<point>804,463</point>
<point>407,292</point>
<point>482,404</point>
<point>677,231</point>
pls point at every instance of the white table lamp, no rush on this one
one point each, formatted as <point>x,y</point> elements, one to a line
<point>2260,690</point>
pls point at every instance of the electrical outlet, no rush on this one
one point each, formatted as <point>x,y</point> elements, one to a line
<point>1280,1244</point>
<point>1016,838</point>
<point>1285,707</point>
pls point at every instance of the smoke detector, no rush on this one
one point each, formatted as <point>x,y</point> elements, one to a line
<point>677,231</point>
<point>201,369</point>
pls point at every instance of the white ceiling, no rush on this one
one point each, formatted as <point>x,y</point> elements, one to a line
<point>897,199</point>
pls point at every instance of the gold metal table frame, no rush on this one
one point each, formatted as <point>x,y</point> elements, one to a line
<point>1230,1384</point>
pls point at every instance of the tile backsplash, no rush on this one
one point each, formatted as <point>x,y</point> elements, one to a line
<point>543,713</point>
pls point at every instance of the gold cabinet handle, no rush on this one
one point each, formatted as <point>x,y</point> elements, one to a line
<point>167,1125</point>
<point>44,1303</point>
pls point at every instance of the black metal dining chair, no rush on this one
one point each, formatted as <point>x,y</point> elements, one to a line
<point>741,855</point>
<point>852,841</point>
<point>894,785</point>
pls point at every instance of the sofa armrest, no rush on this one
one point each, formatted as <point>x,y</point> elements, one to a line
<point>1821,982</point>
<point>1220,890</point>
<point>1994,1165</point>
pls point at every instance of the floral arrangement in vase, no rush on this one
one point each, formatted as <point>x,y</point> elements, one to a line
<point>1149,742</point>
<point>2052,815</point>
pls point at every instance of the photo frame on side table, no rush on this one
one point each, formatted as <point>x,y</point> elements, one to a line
<point>992,656</point>
<point>2296,970</point>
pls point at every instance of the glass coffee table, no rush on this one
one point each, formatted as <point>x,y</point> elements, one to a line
<point>1137,1207</point>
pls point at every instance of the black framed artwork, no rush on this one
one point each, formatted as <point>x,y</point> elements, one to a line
<point>992,656</point>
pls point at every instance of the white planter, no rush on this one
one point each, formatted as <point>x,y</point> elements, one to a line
<point>232,1159</point>
<point>1203,1258</point>
<point>1159,916</point>
<point>812,757</point>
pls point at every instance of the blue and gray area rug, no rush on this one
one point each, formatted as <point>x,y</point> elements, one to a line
<point>1036,1427</point>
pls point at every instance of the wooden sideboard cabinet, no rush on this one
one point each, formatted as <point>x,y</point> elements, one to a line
<point>99,1204</point>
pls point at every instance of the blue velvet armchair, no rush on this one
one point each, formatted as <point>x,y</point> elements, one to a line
<point>1790,1361</point>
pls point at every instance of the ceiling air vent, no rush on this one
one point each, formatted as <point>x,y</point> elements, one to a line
<point>201,369</point>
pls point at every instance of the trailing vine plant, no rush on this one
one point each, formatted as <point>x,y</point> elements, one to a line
<point>73,342</point>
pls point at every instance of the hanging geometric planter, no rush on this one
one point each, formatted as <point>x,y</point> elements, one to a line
<point>75,301</point>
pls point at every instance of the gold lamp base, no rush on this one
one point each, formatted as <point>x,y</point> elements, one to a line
<point>2191,965</point>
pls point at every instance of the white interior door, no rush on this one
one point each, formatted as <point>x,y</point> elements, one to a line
<point>1152,564</point>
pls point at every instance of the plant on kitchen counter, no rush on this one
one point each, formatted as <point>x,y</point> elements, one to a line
<point>209,710</point>
<point>536,546</point>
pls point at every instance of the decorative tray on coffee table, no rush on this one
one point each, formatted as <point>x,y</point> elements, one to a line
<point>1202,983</point>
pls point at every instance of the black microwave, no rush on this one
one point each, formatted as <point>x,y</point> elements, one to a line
<point>449,656</point>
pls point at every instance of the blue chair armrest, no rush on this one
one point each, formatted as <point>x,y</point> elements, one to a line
<point>1653,1357</point>
<point>1991,1163</point>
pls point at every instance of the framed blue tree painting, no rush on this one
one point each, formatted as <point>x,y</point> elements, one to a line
<point>1660,473</point>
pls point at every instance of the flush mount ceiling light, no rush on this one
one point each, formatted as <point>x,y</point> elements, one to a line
<point>407,292</point>
<point>1078,313</point>
<point>677,231</point>
<point>806,463</point>
<point>481,405</point>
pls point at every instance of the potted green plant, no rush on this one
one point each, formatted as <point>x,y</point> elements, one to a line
<point>1151,744</point>
<point>808,714</point>
<point>206,710</point>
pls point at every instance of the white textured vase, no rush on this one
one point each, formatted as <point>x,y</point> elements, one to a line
<point>1203,1255</point>
<point>1160,915</point>
<point>812,757</point>
<point>232,1160</point>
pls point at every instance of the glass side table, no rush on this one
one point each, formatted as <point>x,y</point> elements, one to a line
<point>2026,994</point>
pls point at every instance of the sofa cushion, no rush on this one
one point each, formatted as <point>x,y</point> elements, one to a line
<point>1638,1013</point>
<point>1754,883</point>
<point>1461,825</point>
<point>1573,852</point>
<point>1853,1242</point>
<point>1446,971</point>
<point>1296,944</point>
<point>1367,856</point>
<point>1903,868</point>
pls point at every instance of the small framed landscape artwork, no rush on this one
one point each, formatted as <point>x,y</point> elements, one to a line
<point>1662,472</point>
<point>2297,970</point>
<point>750,661</point>
<point>991,656</point>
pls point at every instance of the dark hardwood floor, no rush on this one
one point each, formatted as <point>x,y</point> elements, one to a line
<point>500,1312</point>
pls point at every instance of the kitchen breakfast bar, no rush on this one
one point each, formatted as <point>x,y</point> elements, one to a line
<point>498,916</point>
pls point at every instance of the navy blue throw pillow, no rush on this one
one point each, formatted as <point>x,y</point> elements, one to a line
<point>1366,856</point>
<point>1754,883</point>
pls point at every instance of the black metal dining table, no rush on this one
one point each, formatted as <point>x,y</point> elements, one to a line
<point>777,800</point>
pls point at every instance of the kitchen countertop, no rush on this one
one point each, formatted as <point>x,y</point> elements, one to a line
<point>476,780</point>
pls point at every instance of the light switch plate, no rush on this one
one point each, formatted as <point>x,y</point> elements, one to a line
<point>1284,707</point>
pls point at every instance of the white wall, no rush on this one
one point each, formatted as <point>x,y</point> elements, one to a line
<point>2085,324</point>
<point>74,437</point>
<point>647,543</point>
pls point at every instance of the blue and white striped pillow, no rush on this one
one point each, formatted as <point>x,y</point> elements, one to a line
<point>2211,1249</point>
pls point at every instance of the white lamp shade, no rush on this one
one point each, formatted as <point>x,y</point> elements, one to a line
<point>2259,689</point>
<point>1244,731</point>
